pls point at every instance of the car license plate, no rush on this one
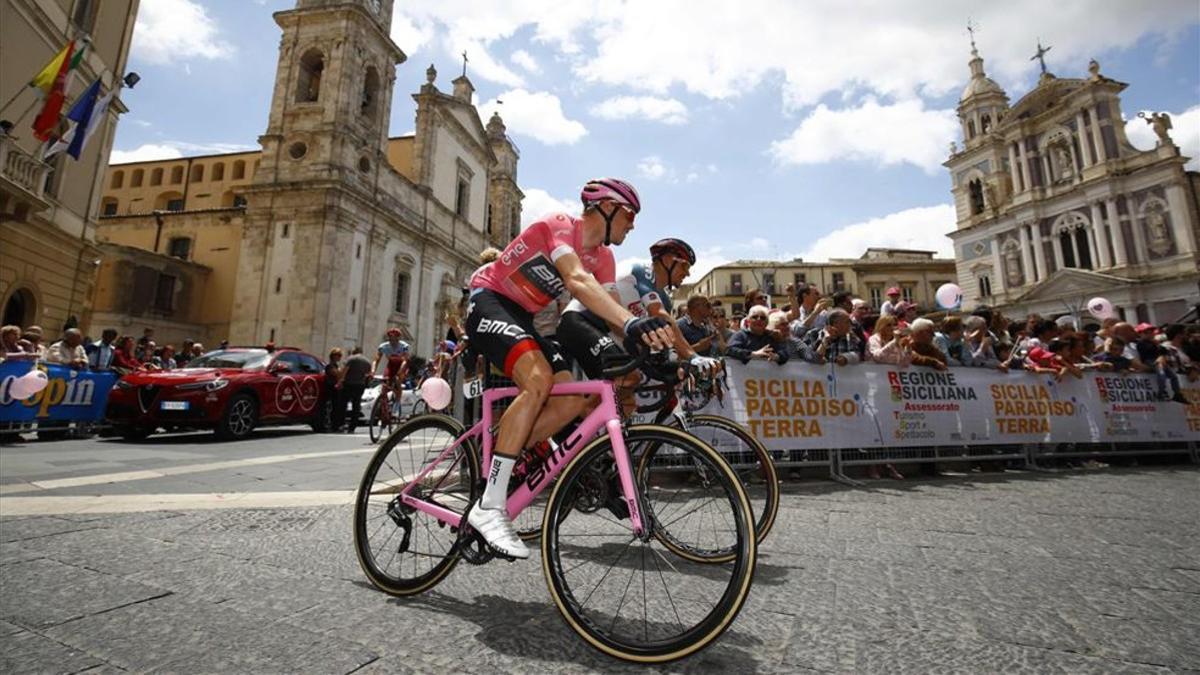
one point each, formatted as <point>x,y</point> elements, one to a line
<point>175,405</point>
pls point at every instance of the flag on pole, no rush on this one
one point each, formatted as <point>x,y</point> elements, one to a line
<point>44,80</point>
<point>93,120</point>
<point>47,119</point>
<point>80,116</point>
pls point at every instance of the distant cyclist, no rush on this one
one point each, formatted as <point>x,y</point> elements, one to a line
<point>394,354</point>
<point>644,292</point>
<point>557,253</point>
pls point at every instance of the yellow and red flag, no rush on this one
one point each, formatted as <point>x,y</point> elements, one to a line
<point>44,80</point>
<point>47,119</point>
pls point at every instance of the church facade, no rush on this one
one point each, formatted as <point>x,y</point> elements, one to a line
<point>333,232</point>
<point>1054,206</point>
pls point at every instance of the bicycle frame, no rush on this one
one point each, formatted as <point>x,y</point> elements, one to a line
<point>605,417</point>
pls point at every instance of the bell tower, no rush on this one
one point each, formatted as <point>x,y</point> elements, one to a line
<point>333,91</point>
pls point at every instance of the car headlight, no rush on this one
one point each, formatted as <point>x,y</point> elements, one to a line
<point>122,384</point>
<point>207,385</point>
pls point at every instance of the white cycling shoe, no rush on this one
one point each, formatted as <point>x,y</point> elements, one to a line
<point>498,530</point>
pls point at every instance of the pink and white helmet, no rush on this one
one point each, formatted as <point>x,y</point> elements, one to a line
<point>610,188</point>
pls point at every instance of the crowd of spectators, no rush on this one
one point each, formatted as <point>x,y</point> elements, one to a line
<point>122,354</point>
<point>843,330</point>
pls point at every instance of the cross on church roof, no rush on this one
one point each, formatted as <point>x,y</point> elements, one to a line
<point>465,59</point>
<point>1040,55</point>
<point>971,28</point>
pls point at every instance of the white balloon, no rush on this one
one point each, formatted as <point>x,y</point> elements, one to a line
<point>1101,308</point>
<point>16,390</point>
<point>948,296</point>
<point>436,393</point>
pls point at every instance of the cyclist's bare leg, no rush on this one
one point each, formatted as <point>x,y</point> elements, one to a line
<point>557,412</point>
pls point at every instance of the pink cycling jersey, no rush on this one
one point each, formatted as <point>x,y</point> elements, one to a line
<point>525,272</point>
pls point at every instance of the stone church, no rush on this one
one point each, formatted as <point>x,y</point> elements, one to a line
<point>1055,206</point>
<point>334,231</point>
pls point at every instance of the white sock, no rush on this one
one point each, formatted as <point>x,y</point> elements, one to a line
<point>495,494</point>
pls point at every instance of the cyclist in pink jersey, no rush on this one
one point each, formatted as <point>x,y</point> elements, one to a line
<point>554,254</point>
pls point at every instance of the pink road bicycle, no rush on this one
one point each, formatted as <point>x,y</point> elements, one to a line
<point>627,550</point>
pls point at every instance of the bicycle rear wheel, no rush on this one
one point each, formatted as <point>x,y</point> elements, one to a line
<point>633,597</point>
<point>749,458</point>
<point>377,421</point>
<point>404,551</point>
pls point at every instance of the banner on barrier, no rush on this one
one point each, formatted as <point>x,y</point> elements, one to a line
<point>71,396</point>
<point>801,405</point>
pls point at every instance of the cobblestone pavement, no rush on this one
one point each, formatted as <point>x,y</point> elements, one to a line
<point>1086,571</point>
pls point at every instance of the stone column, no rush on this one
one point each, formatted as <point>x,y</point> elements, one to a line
<point>1139,235</point>
<point>1177,204</point>
<point>1039,251</point>
<point>1056,246</point>
<point>1092,246</point>
<point>1102,154</point>
<point>1026,255</point>
<point>1098,230</point>
<point>998,284</point>
<point>1118,237</point>
<point>1012,169</point>
<point>1079,131</point>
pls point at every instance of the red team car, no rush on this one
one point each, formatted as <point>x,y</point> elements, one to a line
<point>230,391</point>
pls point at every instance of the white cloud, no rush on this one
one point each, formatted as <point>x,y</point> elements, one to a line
<point>869,133</point>
<point>174,149</point>
<point>411,34</point>
<point>539,203</point>
<point>537,114</point>
<point>1185,132</point>
<point>923,228</point>
<point>176,30</point>
<point>144,153</point>
<point>653,168</point>
<point>525,60</point>
<point>665,110</point>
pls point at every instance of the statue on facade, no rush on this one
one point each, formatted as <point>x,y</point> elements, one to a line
<point>1094,69</point>
<point>1161,123</point>
<point>989,195</point>
<point>1156,227</point>
<point>1012,265</point>
<point>1063,166</point>
<point>430,74</point>
<point>953,148</point>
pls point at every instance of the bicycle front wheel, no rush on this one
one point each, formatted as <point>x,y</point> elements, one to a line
<point>750,460</point>
<point>377,422</point>
<point>633,597</point>
<point>402,550</point>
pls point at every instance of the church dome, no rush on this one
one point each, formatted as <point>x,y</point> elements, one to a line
<point>979,86</point>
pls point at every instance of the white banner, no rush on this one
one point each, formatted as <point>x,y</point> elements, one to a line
<point>801,405</point>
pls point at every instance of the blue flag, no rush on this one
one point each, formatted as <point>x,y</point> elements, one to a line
<point>81,114</point>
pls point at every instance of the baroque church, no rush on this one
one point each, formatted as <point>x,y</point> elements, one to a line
<point>1054,206</point>
<point>334,231</point>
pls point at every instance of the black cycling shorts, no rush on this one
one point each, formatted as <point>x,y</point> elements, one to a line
<point>502,331</point>
<point>587,343</point>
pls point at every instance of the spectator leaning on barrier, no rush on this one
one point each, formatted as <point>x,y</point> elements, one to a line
<point>756,342</point>
<point>979,350</point>
<point>797,349</point>
<point>31,341</point>
<point>69,350</point>
<point>184,354</point>
<point>100,353</point>
<point>949,341</point>
<point>1078,352</point>
<point>10,337</point>
<point>696,326</point>
<point>165,359</point>
<point>836,343</point>
<point>886,345</point>
<point>1176,347</point>
<point>1114,355</point>
<point>124,361</point>
<point>920,342</point>
<point>808,309</point>
<point>1156,358</point>
<point>721,326</point>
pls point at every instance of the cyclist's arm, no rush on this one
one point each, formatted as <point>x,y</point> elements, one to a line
<point>375,362</point>
<point>584,287</point>
<point>681,344</point>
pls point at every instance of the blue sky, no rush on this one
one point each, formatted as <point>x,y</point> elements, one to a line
<point>769,129</point>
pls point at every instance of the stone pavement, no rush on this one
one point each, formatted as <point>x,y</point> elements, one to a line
<point>1095,571</point>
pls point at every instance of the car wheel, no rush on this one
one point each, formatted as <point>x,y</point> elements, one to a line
<point>135,433</point>
<point>240,418</point>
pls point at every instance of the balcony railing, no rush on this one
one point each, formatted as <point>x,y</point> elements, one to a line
<point>22,180</point>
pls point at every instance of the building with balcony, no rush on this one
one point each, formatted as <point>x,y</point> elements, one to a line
<point>1055,206</point>
<point>917,273</point>
<point>333,231</point>
<point>48,210</point>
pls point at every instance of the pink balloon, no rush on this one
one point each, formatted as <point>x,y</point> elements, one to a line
<point>948,296</point>
<point>33,382</point>
<point>17,390</point>
<point>436,393</point>
<point>1101,308</point>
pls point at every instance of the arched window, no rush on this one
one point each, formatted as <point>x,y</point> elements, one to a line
<point>136,179</point>
<point>197,173</point>
<point>402,286</point>
<point>177,175</point>
<point>975,188</point>
<point>156,176</point>
<point>169,201</point>
<point>239,170</point>
<point>985,286</point>
<point>312,65</point>
<point>370,93</point>
<point>118,179</point>
<point>986,123</point>
<point>218,172</point>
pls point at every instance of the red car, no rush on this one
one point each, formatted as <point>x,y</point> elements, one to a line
<point>230,391</point>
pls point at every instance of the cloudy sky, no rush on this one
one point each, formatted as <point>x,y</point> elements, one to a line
<point>761,128</point>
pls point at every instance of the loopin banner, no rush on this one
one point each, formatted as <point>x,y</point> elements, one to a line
<point>71,395</point>
<point>801,405</point>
